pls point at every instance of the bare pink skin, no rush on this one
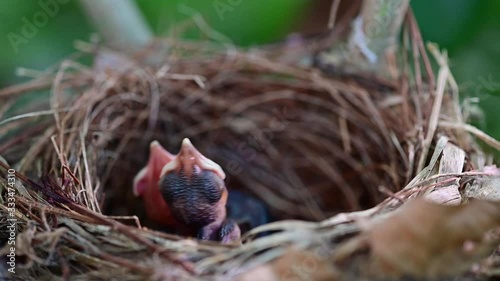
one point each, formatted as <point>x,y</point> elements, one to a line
<point>188,193</point>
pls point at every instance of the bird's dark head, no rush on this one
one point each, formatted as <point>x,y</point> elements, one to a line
<point>193,186</point>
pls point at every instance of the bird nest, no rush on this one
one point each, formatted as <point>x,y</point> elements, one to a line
<point>331,158</point>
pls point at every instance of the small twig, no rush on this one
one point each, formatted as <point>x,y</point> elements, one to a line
<point>420,43</point>
<point>65,170</point>
<point>46,83</point>
<point>126,231</point>
<point>333,13</point>
<point>134,218</point>
<point>120,23</point>
<point>434,118</point>
<point>473,130</point>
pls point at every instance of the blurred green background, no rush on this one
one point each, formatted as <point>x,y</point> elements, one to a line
<point>468,29</point>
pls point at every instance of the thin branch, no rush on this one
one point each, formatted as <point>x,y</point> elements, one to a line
<point>119,22</point>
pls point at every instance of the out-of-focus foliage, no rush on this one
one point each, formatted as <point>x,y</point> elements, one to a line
<point>45,44</point>
<point>469,29</point>
<point>245,22</point>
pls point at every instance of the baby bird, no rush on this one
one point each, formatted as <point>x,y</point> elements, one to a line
<point>186,192</point>
<point>146,186</point>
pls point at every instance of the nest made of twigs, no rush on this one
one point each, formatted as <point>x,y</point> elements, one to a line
<point>308,145</point>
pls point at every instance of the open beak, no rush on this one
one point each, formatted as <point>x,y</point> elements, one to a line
<point>191,161</point>
<point>158,158</point>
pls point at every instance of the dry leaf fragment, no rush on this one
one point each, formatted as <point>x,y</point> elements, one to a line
<point>452,161</point>
<point>426,240</point>
<point>487,187</point>
<point>296,265</point>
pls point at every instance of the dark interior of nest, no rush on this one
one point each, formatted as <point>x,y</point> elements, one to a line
<point>305,151</point>
<point>306,145</point>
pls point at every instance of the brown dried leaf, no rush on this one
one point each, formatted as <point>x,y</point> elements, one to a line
<point>426,240</point>
<point>296,265</point>
<point>486,187</point>
<point>452,162</point>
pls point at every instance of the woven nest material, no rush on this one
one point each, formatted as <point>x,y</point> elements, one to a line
<point>308,145</point>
